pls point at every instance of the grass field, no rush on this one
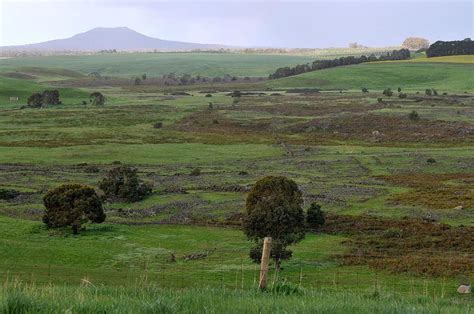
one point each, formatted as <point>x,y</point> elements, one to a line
<point>448,59</point>
<point>357,154</point>
<point>413,76</point>
<point>16,298</point>
<point>157,64</point>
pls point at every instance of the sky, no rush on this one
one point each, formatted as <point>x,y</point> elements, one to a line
<point>245,23</point>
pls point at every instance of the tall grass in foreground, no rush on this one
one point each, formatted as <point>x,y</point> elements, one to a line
<point>22,298</point>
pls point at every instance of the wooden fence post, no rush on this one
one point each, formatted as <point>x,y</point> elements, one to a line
<point>267,246</point>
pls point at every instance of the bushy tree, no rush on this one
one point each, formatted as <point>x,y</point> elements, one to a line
<point>123,183</point>
<point>416,43</point>
<point>51,97</point>
<point>315,216</point>
<point>273,209</point>
<point>72,205</point>
<point>97,99</point>
<point>35,100</point>
<point>47,97</point>
<point>137,81</point>
<point>365,90</point>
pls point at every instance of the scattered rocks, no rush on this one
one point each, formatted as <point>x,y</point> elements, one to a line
<point>464,289</point>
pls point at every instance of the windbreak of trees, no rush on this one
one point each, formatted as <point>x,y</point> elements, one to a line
<point>451,48</point>
<point>401,54</point>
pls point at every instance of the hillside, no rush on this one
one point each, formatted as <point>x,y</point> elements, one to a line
<point>379,75</point>
<point>157,64</point>
<point>120,38</point>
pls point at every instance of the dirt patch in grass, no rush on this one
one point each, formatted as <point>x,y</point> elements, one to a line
<point>405,245</point>
<point>441,191</point>
<point>387,129</point>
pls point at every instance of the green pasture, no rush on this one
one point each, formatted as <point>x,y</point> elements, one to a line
<point>412,76</point>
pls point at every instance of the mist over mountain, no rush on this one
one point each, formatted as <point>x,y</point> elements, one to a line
<point>120,38</point>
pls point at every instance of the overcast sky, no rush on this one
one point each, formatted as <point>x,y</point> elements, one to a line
<point>242,23</point>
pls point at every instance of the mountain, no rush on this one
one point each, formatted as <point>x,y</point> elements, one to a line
<point>120,38</point>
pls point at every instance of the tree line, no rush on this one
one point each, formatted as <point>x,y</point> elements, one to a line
<point>401,54</point>
<point>451,48</point>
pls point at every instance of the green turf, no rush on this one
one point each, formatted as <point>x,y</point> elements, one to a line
<point>23,89</point>
<point>135,64</point>
<point>148,298</point>
<point>119,255</point>
<point>378,76</point>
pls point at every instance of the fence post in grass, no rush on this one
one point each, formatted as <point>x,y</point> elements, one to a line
<point>267,246</point>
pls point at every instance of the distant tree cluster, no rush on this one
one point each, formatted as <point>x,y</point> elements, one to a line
<point>416,43</point>
<point>451,48</point>
<point>187,79</point>
<point>401,54</point>
<point>48,97</point>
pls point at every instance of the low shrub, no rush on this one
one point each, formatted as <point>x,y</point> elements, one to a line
<point>414,116</point>
<point>8,194</point>
<point>195,172</point>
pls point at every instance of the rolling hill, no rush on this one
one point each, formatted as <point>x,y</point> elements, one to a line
<point>102,38</point>
<point>442,76</point>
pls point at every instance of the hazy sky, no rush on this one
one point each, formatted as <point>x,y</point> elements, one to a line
<point>242,23</point>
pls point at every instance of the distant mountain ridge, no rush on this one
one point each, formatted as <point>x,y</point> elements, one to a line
<point>119,38</point>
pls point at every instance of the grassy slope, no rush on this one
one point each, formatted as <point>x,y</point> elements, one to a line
<point>407,75</point>
<point>446,59</point>
<point>23,89</point>
<point>135,64</point>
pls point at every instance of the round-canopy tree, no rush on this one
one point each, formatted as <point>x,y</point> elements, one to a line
<point>273,209</point>
<point>72,205</point>
<point>416,43</point>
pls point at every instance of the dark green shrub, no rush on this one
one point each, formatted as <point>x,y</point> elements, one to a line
<point>414,116</point>
<point>72,205</point>
<point>35,100</point>
<point>273,209</point>
<point>122,183</point>
<point>387,92</point>
<point>428,92</point>
<point>402,95</point>
<point>158,125</point>
<point>315,216</point>
<point>208,95</point>
<point>365,90</point>
<point>399,89</point>
<point>431,160</point>
<point>8,194</point>
<point>195,172</point>
<point>51,97</point>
